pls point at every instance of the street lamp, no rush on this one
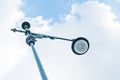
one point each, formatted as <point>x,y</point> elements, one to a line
<point>79,45</point>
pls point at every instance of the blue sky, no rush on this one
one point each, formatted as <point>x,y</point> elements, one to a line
<point>48,9</point>
<point>54,8</point>
<point>97,20</point>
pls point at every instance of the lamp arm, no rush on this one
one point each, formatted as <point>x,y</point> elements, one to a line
<point>41,35</point>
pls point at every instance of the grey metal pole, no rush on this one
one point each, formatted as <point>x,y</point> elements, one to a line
<point>30,40</point>
<point>40,67</point>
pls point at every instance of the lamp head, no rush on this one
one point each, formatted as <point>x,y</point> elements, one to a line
<point>80,46</point>
<point>25,25</point>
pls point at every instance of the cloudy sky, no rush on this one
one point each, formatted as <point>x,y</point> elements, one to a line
<point>97,20</point>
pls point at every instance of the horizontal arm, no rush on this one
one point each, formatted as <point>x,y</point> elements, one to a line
<point>50,37</point>
<point>41,35</point>
<point>15,30</point>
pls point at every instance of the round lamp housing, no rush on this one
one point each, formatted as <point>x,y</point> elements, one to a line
<point>80,45</point>
<point>25,25</point>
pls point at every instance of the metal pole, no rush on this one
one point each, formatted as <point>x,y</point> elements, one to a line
<point>40,67</point>
<point>30,40</point>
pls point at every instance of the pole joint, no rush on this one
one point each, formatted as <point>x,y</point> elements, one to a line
<point>30,40</point>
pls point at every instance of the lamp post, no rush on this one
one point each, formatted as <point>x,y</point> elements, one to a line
<point>30,40</point>
<point>79,45</point>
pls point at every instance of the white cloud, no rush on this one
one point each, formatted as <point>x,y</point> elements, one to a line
<point>38,24</point>
<point>9,50</point>
<point>98,15</point>
<point>98,23</point>
<point>118,0</point>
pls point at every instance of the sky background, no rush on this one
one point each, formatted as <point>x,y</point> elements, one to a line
<point>97,20</point>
